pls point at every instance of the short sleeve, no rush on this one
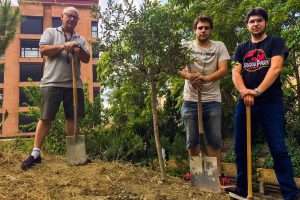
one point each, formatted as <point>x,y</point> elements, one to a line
<point>223,53</point>
<point>279,48</point>
<point>47,37</point>
<point>238,55</point>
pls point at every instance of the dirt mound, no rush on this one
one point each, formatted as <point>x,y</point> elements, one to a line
<point>54,179</point>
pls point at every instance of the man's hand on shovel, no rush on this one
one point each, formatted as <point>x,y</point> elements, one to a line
<point>198,79</point>
<point>248,100</point>
<point>71,46</point>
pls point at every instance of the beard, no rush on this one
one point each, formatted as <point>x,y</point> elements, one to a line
<point>259,34</point>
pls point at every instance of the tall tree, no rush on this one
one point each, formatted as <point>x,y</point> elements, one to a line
<point>9,18</point>
<point>146,50</point>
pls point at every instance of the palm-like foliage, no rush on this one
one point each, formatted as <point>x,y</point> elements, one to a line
<point>9,18</point>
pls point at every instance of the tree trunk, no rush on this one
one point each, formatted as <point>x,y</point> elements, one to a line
<point>155,128</point>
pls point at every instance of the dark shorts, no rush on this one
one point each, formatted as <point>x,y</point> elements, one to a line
<point>51,97</point>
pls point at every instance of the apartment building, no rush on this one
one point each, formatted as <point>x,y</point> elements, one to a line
<point>22,65</point>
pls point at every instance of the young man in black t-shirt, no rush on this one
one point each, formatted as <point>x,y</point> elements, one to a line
<point>256,75</point>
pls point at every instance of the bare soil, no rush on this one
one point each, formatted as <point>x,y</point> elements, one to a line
<point>54,179</point>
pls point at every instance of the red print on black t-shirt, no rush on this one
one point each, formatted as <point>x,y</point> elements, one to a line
<point>255,60</point>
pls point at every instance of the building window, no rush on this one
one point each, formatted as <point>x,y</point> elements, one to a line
<point>56,22</point>
<point>32,25</point>
<point>27,123</point>
<point>96,91</point>
<point>31,71</point>
<point>1,73</point>
<point>95,50</point>
<point>30,48</point>
<point>95,73</point>
<point>94,29</point>
<point>3,117</point>
<point>1,97</point>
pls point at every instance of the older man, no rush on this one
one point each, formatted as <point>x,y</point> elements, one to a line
<point>59,45</point>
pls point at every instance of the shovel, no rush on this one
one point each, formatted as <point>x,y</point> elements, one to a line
<point>76,150</point>
<point>204,169</point>
<point>249,159</point>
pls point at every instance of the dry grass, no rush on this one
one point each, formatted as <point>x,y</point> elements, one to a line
<point>55,180</point>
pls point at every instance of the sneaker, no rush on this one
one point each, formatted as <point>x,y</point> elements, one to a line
<point>187,176</point>
<point>30,162</point>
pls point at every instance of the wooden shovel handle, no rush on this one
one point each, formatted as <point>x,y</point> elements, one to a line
<point>249,152</point>
<point>75,95</point>
<point>200,113</point>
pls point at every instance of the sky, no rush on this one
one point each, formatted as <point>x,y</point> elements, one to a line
<point>14,2</point>
<point>136,2</point>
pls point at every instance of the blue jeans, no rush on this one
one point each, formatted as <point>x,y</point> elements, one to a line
<point>271,118</point>
<point>212,115</point>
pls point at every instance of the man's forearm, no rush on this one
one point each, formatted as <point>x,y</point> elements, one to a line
<point>216,75</point>
<point>51,50</point>
<point>219,73</point>
<point>238,81</point>
<point>84,56</point>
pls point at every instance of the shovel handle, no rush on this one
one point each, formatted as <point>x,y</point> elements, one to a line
<point>199,112</point>
<point>75,95</point>
<point>199,109</point>
<point>249,152</point>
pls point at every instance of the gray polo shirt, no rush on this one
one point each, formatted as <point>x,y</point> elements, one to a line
<point>58,68</point>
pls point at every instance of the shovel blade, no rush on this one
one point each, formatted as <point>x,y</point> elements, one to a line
<point>76,150</point>
<point>205,173</point>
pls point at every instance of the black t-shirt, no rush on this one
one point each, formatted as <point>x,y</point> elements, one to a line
<point>256,61</point>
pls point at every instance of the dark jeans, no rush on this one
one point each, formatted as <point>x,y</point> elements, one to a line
<point>271,118</point>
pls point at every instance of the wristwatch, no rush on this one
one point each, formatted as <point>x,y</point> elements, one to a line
<point>257,92</point>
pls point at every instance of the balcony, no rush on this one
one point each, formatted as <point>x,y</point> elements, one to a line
<point>30,49</point>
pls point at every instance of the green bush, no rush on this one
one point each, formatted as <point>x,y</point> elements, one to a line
<point>109,146</point>
<point>18,144</point>
<point>178,147</point>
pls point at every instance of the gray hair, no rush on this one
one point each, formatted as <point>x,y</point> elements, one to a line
<point>72,9</point>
